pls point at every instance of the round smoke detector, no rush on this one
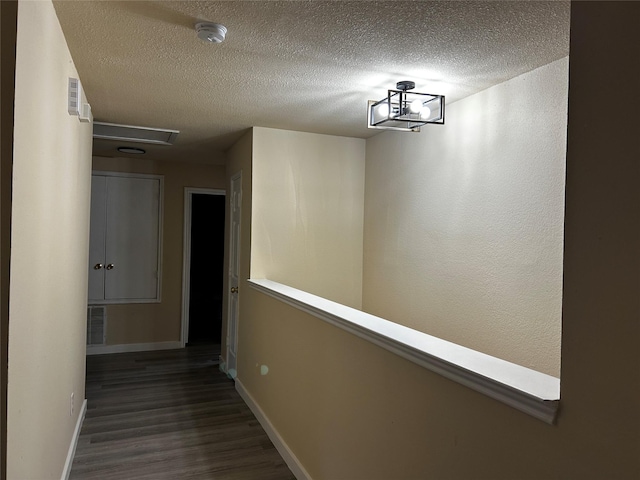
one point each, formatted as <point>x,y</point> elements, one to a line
<point>211,32</point>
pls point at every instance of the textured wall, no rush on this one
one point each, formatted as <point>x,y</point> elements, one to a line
<point>463,223</point>
<point>352,411</point>
<point>308,206</point>
<point>239,160</point>
<point>160,322</point>
<point>9,20</point>
<point>50,241</point>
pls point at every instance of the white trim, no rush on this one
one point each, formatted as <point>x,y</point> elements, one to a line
<point>132,347</point>
<point>205,191</point>
<point>124,301</point>
<point>103,173</point>
<point>66,471</point>
<point>283,449</point>
<point>222,365</point>
<point>527,390</point>
<point>186,254</point>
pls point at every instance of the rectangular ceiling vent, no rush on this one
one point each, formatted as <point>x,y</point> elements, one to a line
<point>129,133</point>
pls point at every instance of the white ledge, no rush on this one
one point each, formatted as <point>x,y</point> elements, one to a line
<point>529,391</point>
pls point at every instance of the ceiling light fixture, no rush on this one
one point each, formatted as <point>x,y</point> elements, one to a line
<point>404,110</point>
<point>132,150</point>
<point>211,32</point>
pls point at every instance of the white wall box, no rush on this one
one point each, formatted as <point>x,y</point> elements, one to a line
<point>126,238</point>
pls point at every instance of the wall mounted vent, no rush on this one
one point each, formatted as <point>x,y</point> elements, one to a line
<point>129,133</point>
<point>96,325</point>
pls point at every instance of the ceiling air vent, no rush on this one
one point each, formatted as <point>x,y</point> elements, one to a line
<point>129,133</point>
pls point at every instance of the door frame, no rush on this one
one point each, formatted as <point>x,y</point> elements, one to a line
<point>229,363</point>
<point>189,192</point>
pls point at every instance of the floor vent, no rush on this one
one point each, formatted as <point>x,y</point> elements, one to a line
<point>96,325</point>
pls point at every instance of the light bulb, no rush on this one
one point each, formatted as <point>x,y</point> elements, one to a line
<point>425,112</point>
<point>383,109</point>
<point>416,106</point>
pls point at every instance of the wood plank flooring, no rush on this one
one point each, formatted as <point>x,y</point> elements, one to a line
<point>170,415</point>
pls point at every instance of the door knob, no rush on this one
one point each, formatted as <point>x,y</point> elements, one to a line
<point>110,266</point>
<point>234,289</point>
<point>98,266</point>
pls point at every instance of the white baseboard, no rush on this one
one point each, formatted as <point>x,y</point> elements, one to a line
<point>223,365</point>
<point>292,461</point>
<point>74,442</point>
<point>132,347</point>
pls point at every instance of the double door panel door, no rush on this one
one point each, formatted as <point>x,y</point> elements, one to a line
<point>124,250</point>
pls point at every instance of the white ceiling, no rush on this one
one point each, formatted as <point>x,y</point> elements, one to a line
<point>297,65</point>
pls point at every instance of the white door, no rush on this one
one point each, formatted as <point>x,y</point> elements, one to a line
<point>124,247</point>
<point>234,273</point>
<point>97,235</point>
<point>131,238</point>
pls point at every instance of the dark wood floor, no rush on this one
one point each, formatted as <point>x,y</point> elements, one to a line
<point>170,415</point>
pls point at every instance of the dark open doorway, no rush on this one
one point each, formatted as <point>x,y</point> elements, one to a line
<point>206,268</point>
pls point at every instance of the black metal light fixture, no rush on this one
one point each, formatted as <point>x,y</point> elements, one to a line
<point>404,110</point>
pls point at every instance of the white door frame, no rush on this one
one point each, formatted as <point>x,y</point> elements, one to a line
<point>186,254</point>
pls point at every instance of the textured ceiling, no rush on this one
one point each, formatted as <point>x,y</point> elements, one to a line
<point>297,65</point>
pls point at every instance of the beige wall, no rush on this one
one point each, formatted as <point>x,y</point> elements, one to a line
<point>308,207</point>
<point>463,223</point>
<point>160,322</point>
<point>352,411</point>
<point>9,15</point>
<point>239,160</point>
<point>49,248</point>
